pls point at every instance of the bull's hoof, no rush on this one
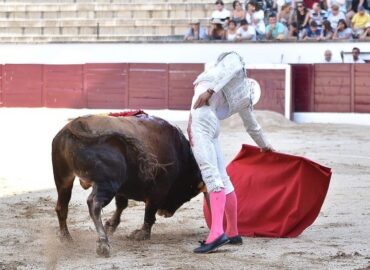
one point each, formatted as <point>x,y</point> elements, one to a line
<point>110,226</point>
<point>103,248</point>
<point>65,237</point>
<point>140,235</point>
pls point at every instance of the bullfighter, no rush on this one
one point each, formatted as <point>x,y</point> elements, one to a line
<point>220,92</point>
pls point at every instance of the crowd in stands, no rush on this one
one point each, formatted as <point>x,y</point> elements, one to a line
<point>285,20</point>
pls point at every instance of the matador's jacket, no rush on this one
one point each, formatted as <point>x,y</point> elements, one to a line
<point>227,78</point>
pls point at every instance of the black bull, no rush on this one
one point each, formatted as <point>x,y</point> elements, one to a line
<point>140,157</point>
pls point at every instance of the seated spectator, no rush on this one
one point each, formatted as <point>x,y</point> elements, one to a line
<point>353,8</point>
<point>312,33</point>
<point>326,32</point>
<point>217,31</point>
<point>342,31</point>
<point>328,58</point>
<point>245,32</point>
<point>275,30</point>
<point>356,56</point>
<point>335,15</point>
<point>359,21</point>
<point>318,15</point>
<point>255,17</point>
<point>238,12</point>
<point>195,32</point>
<point>231,32</point>
<point>326,4</point>
<point>366,33</point>
<point>293,31</point>
<point>285,15</point>
<point>301,16</point>
<point>221,13</point>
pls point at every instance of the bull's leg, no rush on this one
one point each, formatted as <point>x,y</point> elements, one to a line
<point>112,224</point>
<point>149,219</point>
<point>96,201</point>
<point>64,188</point>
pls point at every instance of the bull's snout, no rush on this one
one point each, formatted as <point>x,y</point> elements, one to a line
<point>164,213</point>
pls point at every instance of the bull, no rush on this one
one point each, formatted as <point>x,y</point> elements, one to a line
<point>142,158</point>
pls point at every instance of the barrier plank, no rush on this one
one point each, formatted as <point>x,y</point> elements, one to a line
<point>106,85</point>
<point>63,86</point>
<point>181,90</point>
<point>22,85</point>
<point>272,84</point>
<point>148,86</point>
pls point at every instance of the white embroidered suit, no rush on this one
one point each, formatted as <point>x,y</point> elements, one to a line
<point>232,95</point>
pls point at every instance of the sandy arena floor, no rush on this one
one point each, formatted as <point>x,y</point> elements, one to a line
<point>339,239</point>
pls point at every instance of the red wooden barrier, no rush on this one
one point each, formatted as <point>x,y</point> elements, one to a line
<point>106,85</point>
<point>272,84</point>
<point>148,86</point>
<point>63,86</point>
<point>1,86</point>
<point>302,88</point>
<point>22,85</point>
<point>316,88</point>
<point>181,77</point>
<point>362,88</point>
<point>332,87</point>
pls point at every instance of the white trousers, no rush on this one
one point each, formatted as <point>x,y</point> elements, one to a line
<point>205,129</point>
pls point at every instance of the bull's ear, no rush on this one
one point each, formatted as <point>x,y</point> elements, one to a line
<point>202,187</point>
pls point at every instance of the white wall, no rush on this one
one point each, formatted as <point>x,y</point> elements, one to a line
<point>253,53</point>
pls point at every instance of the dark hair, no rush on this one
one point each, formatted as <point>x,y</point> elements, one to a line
<point>272,15</point>
<point>294,24</point>
<point>343,21</point>
<point>235,2</point>
<point>355,48</point>
<point>243,22</point>
<point>327,25</point>
<point>232,21</point>
<point>219,2</point>
<point>255,4</point>
<point>313,24</point>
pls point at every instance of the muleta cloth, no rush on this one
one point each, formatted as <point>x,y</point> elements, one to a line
<point>279,195</point>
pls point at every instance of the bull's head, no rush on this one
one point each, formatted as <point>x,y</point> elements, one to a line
<point>183,189</point>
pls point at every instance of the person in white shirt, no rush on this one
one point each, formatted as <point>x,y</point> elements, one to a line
<point>356,56</point>
<point>255,17</point>
<point>221,13</point>
<point>245,32</point>
<point>335,16</point>
<point>220,92</point>
<point>328,58</point>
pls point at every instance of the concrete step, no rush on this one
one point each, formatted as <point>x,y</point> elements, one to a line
<point>90,38</point>
<point>36,23</point>
<point>97,11</point>
<point>102,30</point>
<point>101,7</point>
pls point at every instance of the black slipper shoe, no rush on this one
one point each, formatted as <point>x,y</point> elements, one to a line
<point>236,240</point>
<point>207,248</point>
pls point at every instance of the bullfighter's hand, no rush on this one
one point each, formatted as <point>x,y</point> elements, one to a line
<point>189,131</point>
<point>203,99</point>
<point>268,148</point>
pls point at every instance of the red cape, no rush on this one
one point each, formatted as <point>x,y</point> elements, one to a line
<point>279,195</point>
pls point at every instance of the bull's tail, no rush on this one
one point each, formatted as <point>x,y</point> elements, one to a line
<point>147,162</point>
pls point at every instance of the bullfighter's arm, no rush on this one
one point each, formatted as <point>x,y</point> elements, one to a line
<point>255,130</point>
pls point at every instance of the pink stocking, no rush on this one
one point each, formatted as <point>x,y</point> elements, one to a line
<point>231,211</point>
<point>217,201</point>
